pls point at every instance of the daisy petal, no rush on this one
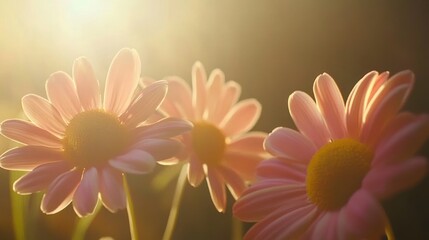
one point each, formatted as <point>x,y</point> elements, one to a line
<point>290,144</point>
<point>145,81</point>
<point>387,108</point>
<point>178,102</point>
<point>387,102</point>
<point>404,143</point>
<point>250,142</point>
<point>326,226</point>
<point>136,161</point>
<point>160,149</point>
<point>43,114</point>
<point>86,84</point>
<point>145,104</point>
<point>62,94</point>
<point>60,192</point>
<point>214,90</point>
<point>234,182</point>
<point>374,86</point>
<point>111,189</point>
<point>307,118</point>
<point>230,95</point>
<point>355,104</point>
<point>331,105</point>
<point>122,80</point>
<point>363,216</point>
<point>400,121</point>
<point>216,185</point>
<point>241,118</point>
<point>86,195</point>
<point>386,181</point>
<point>40,178</point>
<point>195,172</point>
<point>280,168</point>
<point>165,128</point>
<point>255,204</point>
<point>27,133</point>
<point>288,225</point>
<point>243,163</point>
<point>199,92</point>
<point>28,157</point>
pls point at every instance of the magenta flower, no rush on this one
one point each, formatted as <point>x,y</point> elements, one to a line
<point>219,147</point>
<point>77,146</point>
<point>327,180</point>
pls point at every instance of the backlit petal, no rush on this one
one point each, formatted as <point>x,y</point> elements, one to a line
<point>60,192</point>
<point>28,133</point>
<point>331,105</point>
<point>241,118</point>
<point>87,86</point>
<point>250,142</point>
<point>199,92</point>
<point>160,149</point>
<point>111,189</point>
<point>145,104</point>
<point>230,94</point>
<point>307,118</point>
<point>355,104</point>
<point>165,128</point>
<point>290,144</point>
<point>178,102</point>
<point>216,186</point>
<point>43,114</point>
<point>284,224</point>
<point>243,163</point>
<point>404,143</point>
<point>256,204</point>
<point>233,181</point>
<point>135,161</point>
<point>40,177</point>
<point>122,80</point>
<point>386,102</point>
<point>28,157</point>
<point>62,94</point>
<point>86,195</point>
<point>214,91</point>
<point>195,171</point>
<point>281,168</point>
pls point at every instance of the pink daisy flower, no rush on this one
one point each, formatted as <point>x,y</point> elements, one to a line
<point>327,180</point>
<point>218,148</point>
<point>77,146</point>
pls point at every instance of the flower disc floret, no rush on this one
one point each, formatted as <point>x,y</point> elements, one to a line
<point>93,137</point>
<point>336,171</point>
<point>208,142</point>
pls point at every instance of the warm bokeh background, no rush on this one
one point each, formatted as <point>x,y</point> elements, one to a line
<point>270,47</point>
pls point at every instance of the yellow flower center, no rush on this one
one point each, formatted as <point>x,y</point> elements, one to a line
<point>208,142</point>
<point>93,137</point>
<point>336,171</point>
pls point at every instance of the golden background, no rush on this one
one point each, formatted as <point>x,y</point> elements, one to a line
<point>271,48</point>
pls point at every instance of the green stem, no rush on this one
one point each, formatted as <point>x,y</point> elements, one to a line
<point>164,177</point>
<point>237,229</point>
<point>389,231</point>
<point>83,224</point>
<point>172,217</point>
<point>18,203</point>
<point>130,209</point>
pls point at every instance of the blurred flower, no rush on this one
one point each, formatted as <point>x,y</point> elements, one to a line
<point>78,147</point>
<point>219,147</point>
<point>327,180</point>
